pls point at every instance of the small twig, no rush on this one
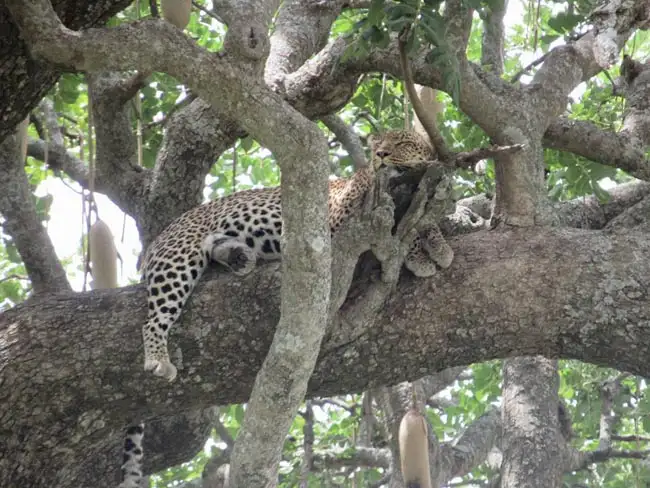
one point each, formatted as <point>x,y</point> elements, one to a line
<point>153,9</point>
<point>14,277</point>
<point>206,11</point>
<point>521,73</point>
<point>308,444</point>
<point>466,160</point>
<point>631,438</point>
<point>163,120</point>
<point>68,185</point>
<point>223,433</point>
<point>332,401</point>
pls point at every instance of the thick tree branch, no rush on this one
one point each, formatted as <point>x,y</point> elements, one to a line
<point>566,66</point>
<point>601,275</point>
<point>458,19</point>
<point>116,163</point>
<point>626,201</point>
<point>301,29</point>
<point>636,123</point>
<point>578,460</point>
<point>605,147</point>
<point>613,20</point>
<point>360,456</point>
<point>492,47</point>
<point>196,136</point>
<point>435,383</point>
<point>59,158</point>
<point>609,390</point>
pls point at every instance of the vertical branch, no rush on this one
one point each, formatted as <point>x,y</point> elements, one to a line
<point>532,451</point>
<point>281,383</point>
<point>608,393</point>
<point>492,48</point>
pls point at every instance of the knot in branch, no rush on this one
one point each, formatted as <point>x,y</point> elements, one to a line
<point>248,40</point>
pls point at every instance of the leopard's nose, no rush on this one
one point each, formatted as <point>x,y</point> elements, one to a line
<point>382,154</point>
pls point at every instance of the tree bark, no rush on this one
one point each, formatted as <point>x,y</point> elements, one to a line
<point>532,445</point>
<point>71,364</point>
<point>25,80</point>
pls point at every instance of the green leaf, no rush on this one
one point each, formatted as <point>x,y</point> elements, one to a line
<point>238,413</point>
<point>400,11</point>
<point>43,205</point>
<point>564,22</point>
<point>376,12</point>
<point>246,143</point>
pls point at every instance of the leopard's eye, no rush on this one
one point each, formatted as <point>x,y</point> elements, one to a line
<point>404,144</point>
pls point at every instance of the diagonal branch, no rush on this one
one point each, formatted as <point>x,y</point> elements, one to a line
<point>471,448</point>
<point>566,66</point>
<point>22,223</point>
<point>605,147</point>
<point>348,139</point>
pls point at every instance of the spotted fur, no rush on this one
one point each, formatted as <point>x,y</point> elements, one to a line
<point>132,462</point>
<point>240,228</point>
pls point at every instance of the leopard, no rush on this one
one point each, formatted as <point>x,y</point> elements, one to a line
<point>239,229</point>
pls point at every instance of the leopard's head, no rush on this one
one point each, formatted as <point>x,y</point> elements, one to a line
<point>399,149</point>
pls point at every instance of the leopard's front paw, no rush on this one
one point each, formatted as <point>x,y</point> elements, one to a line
<point>440,252</point>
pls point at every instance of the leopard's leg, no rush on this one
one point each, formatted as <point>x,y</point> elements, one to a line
<point>418,261</point>
<point>437,247</point>
<point>132,462</point>
<point>171,278</point>
<point>428,249</point>
<point>232,253</point>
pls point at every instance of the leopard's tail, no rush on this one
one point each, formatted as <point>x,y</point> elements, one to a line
<point>132,462</point>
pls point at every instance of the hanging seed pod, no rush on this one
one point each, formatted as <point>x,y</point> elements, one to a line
<point>176,12</point>
<point>414,449</point>
<point>103,256</point>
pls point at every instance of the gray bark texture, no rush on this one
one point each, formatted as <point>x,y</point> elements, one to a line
<point>72,372</point>
<point>70,364</point>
